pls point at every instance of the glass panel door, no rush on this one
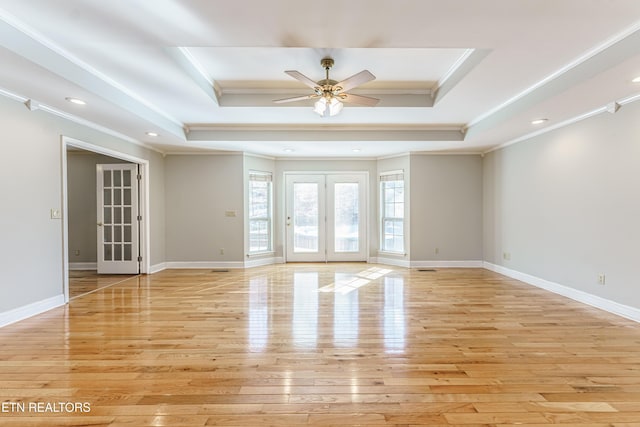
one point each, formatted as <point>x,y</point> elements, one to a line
<point>118,238</point>
<point>326,217</point>
<point>305,221</point>
<point>346,225</point>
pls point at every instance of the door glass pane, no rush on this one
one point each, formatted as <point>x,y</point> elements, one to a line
<point>305,217</point>
<point>107,253</point>
<point>107,234</point>
<point>346,217</point>
<point>117,215</point>
<point>127,197</point>
<point>127,215</point>
<point>107,197</point>
<point>117,233</point>
<point>106,177</point>
<point>127,233</point>
<point>107,216</point>
<point>117,181</point>
<point>117,252</point>
<point>117,197</point>
<point>127,253</point>
<point>126,179</point>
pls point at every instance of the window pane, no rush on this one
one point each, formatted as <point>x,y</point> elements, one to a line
<point>346,217</point>
<point>259,215</point>
<point>392,194</point>
<point>305,217</point>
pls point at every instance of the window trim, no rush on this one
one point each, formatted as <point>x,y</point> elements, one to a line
<point>260,176</point>
<point>397,175</point>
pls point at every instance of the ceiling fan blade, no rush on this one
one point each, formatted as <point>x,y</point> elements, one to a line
<point>358,99</point>
<point>302,78</point>
<point>295,98</point>
<point>362,77</point>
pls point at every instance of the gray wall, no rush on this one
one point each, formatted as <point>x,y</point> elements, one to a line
<point>82,203</point>
<point>565,205</point>
<point>199,189</point>
<point>31,184</point>
<point>446,207</point>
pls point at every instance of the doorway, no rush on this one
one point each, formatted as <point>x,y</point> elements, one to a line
<point>123,189</point>
<point>326,217</point>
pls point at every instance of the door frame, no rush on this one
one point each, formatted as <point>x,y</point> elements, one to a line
<point>144,208</point>
<point>367,206</point>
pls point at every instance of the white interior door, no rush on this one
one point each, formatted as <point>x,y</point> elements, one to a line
<point>118,220</point>
<point>326,217</point>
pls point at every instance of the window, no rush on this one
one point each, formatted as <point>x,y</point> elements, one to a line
<point>392,212</point>
<point>259,212</point>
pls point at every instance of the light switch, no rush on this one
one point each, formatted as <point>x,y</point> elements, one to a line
<point>56,214</point>
<point>230,213</point>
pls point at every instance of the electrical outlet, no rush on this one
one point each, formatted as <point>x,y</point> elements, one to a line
<point>437,251</point>
<point>77,252</point>
<point>506,256</point>
<point>221,251</point>
<point>56,214</point>
<point>601,279</point>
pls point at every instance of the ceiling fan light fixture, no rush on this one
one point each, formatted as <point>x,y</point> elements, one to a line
<point>636,80</point>
<point>335,106</point>
<point>320,106</point>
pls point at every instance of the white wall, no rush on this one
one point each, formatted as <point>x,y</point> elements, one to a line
<point>31,255</point>
<point>446,208</point>
<point>199,190</point>
<point>565,206</point>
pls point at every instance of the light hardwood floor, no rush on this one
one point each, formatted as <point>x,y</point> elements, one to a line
<point>318,344</point>
<point>84,281</point>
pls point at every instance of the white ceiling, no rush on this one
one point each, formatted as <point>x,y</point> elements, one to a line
<point>452,76</point>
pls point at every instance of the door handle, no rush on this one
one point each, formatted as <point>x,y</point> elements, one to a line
<point>99,224</point>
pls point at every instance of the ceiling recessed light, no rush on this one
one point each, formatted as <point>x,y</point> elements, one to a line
<point>152,134</point>
<point>288,150</point>
<point>636,80</point>
<point>76,101</point>
<point>538,121</point>
<point>356,150</point>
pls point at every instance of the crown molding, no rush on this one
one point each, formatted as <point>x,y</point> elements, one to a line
<point>26,42</point>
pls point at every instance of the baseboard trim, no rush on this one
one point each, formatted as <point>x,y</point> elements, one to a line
<point>612,307</point>
<point>396,262</point>
<point>263,261</point>
<point>157,268</point>
<point>83,266</point>
<point>447,264</point>
<point>203,264</point>
<point>29,310</point>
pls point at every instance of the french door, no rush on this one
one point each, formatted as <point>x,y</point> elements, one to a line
<point>326,217</point>
<point>118,220</point>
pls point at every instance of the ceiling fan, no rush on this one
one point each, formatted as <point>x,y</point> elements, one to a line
<point>330,93</point>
